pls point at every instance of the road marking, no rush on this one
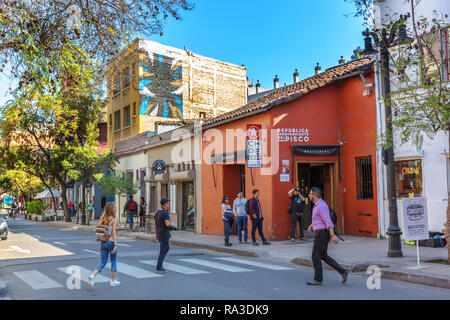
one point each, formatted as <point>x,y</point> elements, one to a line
<point>60,243</point>
<point>216,265</point>
<point>91,251</point>
<point>18,249</point>
<point>175,267</point>
<point>135,272</point>
<point>37,280</point>
<point>255,263</point>
<point>37,236</point>
<point>85,273</point>
<point>123,245</point>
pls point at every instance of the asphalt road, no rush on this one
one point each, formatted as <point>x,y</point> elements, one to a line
<point>35,259</point>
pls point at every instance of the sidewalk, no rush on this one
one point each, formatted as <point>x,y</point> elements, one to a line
<point>355,253</point>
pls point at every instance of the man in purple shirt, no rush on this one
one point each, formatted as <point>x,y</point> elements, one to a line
<point>323,229</point>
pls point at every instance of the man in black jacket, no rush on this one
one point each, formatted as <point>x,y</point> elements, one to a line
<point>256,217</point>
<point>297,201</point>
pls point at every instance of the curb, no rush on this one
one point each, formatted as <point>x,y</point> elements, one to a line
<point>2,288</point>
<point>172,242</point>
<point>385,274</point>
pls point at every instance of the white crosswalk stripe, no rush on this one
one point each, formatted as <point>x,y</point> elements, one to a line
<point>216,265</point>
<point>123,245</point>
<point>135,272</point>
<point>255,263</point>
<point>175,267</point>
<point>85,273</point>
<point>37,280</point>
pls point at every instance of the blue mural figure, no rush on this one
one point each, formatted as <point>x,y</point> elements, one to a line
<point>160,88</point>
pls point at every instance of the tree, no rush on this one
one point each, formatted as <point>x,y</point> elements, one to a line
<point>20,184</point>
<point>117,183</point>
<point>421,98</point>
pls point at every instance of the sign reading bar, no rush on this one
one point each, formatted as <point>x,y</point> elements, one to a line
<point>323,150</point>
<point>415,219</point>
<point>254,147</point>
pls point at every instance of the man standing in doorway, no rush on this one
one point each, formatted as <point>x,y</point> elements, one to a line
<point>323,230</point>
<point>239,212</point>
<point>163,225</point>
<point>257,217</point>
<point>297,201</point>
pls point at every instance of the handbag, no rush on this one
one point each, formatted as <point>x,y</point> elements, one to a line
<point>101,233</point>
<point>228,215</point>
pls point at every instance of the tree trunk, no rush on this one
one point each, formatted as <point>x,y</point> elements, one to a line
<point>65,203</point>
<point>447,227</point>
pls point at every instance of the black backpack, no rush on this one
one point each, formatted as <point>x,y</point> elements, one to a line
<point>247,207</point>
<point>333,216</point>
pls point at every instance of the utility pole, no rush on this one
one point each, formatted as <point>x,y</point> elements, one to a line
<point>383,41</point>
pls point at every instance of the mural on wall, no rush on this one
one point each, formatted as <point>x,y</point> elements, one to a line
<point>161,87</point>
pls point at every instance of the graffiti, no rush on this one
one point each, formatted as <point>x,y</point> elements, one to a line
<point>160,87</point>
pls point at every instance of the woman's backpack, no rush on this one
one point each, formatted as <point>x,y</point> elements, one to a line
<point>102,233</point>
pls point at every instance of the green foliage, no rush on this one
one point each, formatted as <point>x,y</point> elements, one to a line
<point>35,207</point>
<point>117,183</point>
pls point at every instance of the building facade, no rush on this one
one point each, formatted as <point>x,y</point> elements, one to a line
<point>320,132</point>
<point>150,82</point>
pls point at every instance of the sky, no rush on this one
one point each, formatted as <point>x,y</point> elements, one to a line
<point>270,37</point>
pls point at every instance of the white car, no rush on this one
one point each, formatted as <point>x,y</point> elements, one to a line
<point>3,229</point>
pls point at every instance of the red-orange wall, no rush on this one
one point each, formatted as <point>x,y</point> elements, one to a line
<point>320,111</point>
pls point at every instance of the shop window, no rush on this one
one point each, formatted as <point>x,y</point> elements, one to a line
<point>408,178</point>
<point>126,112</point>
<point>117,120</point>
<point>364,182</point>
<point>164,191</point>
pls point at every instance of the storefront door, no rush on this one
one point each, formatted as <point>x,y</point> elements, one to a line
<point>188,206</point>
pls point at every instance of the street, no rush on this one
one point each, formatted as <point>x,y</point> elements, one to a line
<point>36,262</point>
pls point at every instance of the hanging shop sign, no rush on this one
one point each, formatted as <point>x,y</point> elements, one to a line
<point>159,166</point>
<point>293,135</point>
<point>254,147</point>
<point>316,150</point>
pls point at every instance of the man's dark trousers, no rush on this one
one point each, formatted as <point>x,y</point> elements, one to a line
<point>297,217</point>
<point>163,249</point>
<point>257,224</point>
<point>320,247</point>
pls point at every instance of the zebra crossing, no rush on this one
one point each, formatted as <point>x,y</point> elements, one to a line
<point>192,266</point>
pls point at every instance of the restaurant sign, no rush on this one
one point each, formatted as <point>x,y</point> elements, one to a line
<point>254,147</point>
<point>316,150</point>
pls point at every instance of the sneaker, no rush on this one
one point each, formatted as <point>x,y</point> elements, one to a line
<point>344,276</point>
<point>314,283</point>
<point>114,283</point>
<point>255,244</point>
<point>303,239</point>
<point>265,243</point>
<point>91,281</point>
<point>292,240</point>
<point>161,271</point>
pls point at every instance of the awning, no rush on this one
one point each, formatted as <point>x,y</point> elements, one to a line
<point>46,194</point>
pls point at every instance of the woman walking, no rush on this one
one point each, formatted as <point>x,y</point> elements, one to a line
<point>109,247</point>
<point>227,217</point>
<point>142,209</point>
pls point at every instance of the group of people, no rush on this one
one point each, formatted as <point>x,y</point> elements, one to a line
<point>242,209</point>
<point>131,210</point>
<point>109,248</point>
<point>321,225</point>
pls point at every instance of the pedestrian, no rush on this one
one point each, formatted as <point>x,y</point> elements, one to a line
<point>109,247</point>
<point>227,218</point>
<point>323,230</point>
<point>241,216</point>
<point>163,227</point>
<point>131,209</point>
<point>256,217</point>
<point>297,201</point>
<point>142,210</point>
<point>90,209</point>
<point>70,208</point>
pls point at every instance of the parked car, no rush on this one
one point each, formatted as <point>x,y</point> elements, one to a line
<point>3,229</point>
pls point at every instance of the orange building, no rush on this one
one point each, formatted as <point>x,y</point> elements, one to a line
<point>317,132</point>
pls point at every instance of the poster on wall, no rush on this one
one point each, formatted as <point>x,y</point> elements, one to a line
<point>415,218</point>
<point>285,171</point>
<point>254,147</point>
<point>173,198</point>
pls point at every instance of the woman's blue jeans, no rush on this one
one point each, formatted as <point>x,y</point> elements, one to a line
<point>227,229</point>
<point>105,249</point>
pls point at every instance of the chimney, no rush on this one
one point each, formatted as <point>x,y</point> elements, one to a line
<point>296,76</point>
<point>318,68</point>
<point>341,60</point>
<point>276,82</point>
<point>258,85</point>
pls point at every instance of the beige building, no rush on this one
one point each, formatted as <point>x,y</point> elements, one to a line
<point>149,82</point>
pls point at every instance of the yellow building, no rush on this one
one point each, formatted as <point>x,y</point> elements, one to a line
<point>149,82</point>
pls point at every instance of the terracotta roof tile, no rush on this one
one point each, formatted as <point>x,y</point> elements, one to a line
<point>296,90</point>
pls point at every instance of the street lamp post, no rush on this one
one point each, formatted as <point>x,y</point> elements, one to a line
<point>383,42</point>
